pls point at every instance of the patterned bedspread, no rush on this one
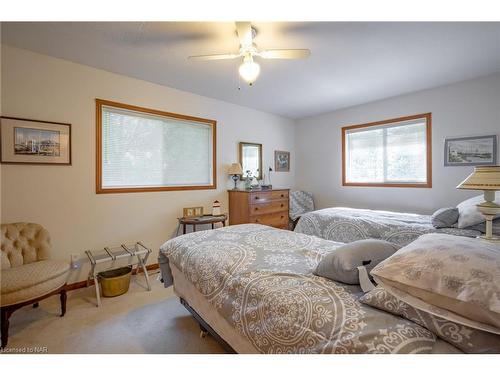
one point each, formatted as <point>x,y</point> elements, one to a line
<point>351,224</point>
<point>260,280</point>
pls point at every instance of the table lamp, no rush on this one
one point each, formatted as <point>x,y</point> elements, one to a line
<point>236,171</point>
<point>488,180</point>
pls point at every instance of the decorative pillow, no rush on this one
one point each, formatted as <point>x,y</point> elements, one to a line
<point>342,264</point>
<point>458,274</point>
<point>469,215</point>
<point>482,227</point>
<point>444,217</point>
<point>467,339</point>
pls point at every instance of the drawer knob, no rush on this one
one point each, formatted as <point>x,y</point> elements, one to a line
<point>256,208</point>
<point>282,205</point>
<point>256,220</point>
<point>282,217</point>
<point>282,195</point>
<point>256,197</point>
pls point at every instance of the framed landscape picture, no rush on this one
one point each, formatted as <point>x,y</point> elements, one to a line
<point>26,141</point>
<point>281,161</point>
<point>470,151</point>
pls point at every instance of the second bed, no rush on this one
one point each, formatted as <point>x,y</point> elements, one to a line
<point>344,224</point>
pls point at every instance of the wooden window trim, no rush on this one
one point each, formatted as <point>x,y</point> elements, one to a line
<point>428,184</point>
<point>99,188</point>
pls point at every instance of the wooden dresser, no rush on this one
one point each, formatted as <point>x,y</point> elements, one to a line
<point>267,207</point>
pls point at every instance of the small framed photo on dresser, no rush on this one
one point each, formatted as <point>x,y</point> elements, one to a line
<point>25,141</point>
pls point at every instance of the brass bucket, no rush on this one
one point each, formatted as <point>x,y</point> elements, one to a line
<point>115,282</point>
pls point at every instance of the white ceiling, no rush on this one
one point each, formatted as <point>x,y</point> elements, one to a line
<point>351,63</point>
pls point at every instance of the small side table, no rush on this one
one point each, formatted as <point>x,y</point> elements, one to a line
<point>205,219</point>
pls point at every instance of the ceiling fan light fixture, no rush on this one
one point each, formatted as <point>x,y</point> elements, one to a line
<point>249,70</point>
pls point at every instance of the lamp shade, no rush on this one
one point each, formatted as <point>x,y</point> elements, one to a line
<point>235,168</point>
<point>483,178</point>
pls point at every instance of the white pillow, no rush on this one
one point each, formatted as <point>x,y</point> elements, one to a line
<point>449,276</point>
<point>469,215</point>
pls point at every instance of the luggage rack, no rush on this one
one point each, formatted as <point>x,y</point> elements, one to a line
<point>111,255</point>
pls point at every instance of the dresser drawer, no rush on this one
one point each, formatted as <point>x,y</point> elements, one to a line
<point>269,207</point>
<point>259,197</point>
<point>266,196</point>
<point>279,220</point>
<point>279,194</point>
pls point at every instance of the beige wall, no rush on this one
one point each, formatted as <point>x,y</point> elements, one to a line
<point>63,198</point>
<point>466,108</point>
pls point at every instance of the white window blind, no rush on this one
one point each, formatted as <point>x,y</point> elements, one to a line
<point>145,150</point>
<point>394,153</point>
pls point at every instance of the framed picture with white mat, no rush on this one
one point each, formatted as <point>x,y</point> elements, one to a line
<point>25,141</point>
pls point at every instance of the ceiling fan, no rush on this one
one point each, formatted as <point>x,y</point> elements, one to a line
<point>249,70</point>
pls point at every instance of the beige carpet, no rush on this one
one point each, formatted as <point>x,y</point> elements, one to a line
<point>136,322</point>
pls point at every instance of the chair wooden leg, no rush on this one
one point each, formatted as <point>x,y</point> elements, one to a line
<point>5,316</point>
<point>63,298</point>
<point>6,312</point>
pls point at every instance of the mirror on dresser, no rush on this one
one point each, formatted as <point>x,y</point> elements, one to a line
<point>251,159</point>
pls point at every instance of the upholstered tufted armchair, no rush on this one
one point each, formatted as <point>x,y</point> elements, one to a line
<point>27,274</point>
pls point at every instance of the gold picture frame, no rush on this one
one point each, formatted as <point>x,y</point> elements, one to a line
<point>192,211</point>
<point>244,147</point>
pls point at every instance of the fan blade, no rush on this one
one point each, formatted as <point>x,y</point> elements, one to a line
<point>285,54</point>
<point>244,31</point>
<point>224,56</point>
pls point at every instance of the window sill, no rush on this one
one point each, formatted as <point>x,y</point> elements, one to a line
<point>399,185</point>
<point>100,190</point>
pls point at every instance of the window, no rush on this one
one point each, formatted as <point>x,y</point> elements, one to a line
<point>394,152</point>
<point>141,149</point>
